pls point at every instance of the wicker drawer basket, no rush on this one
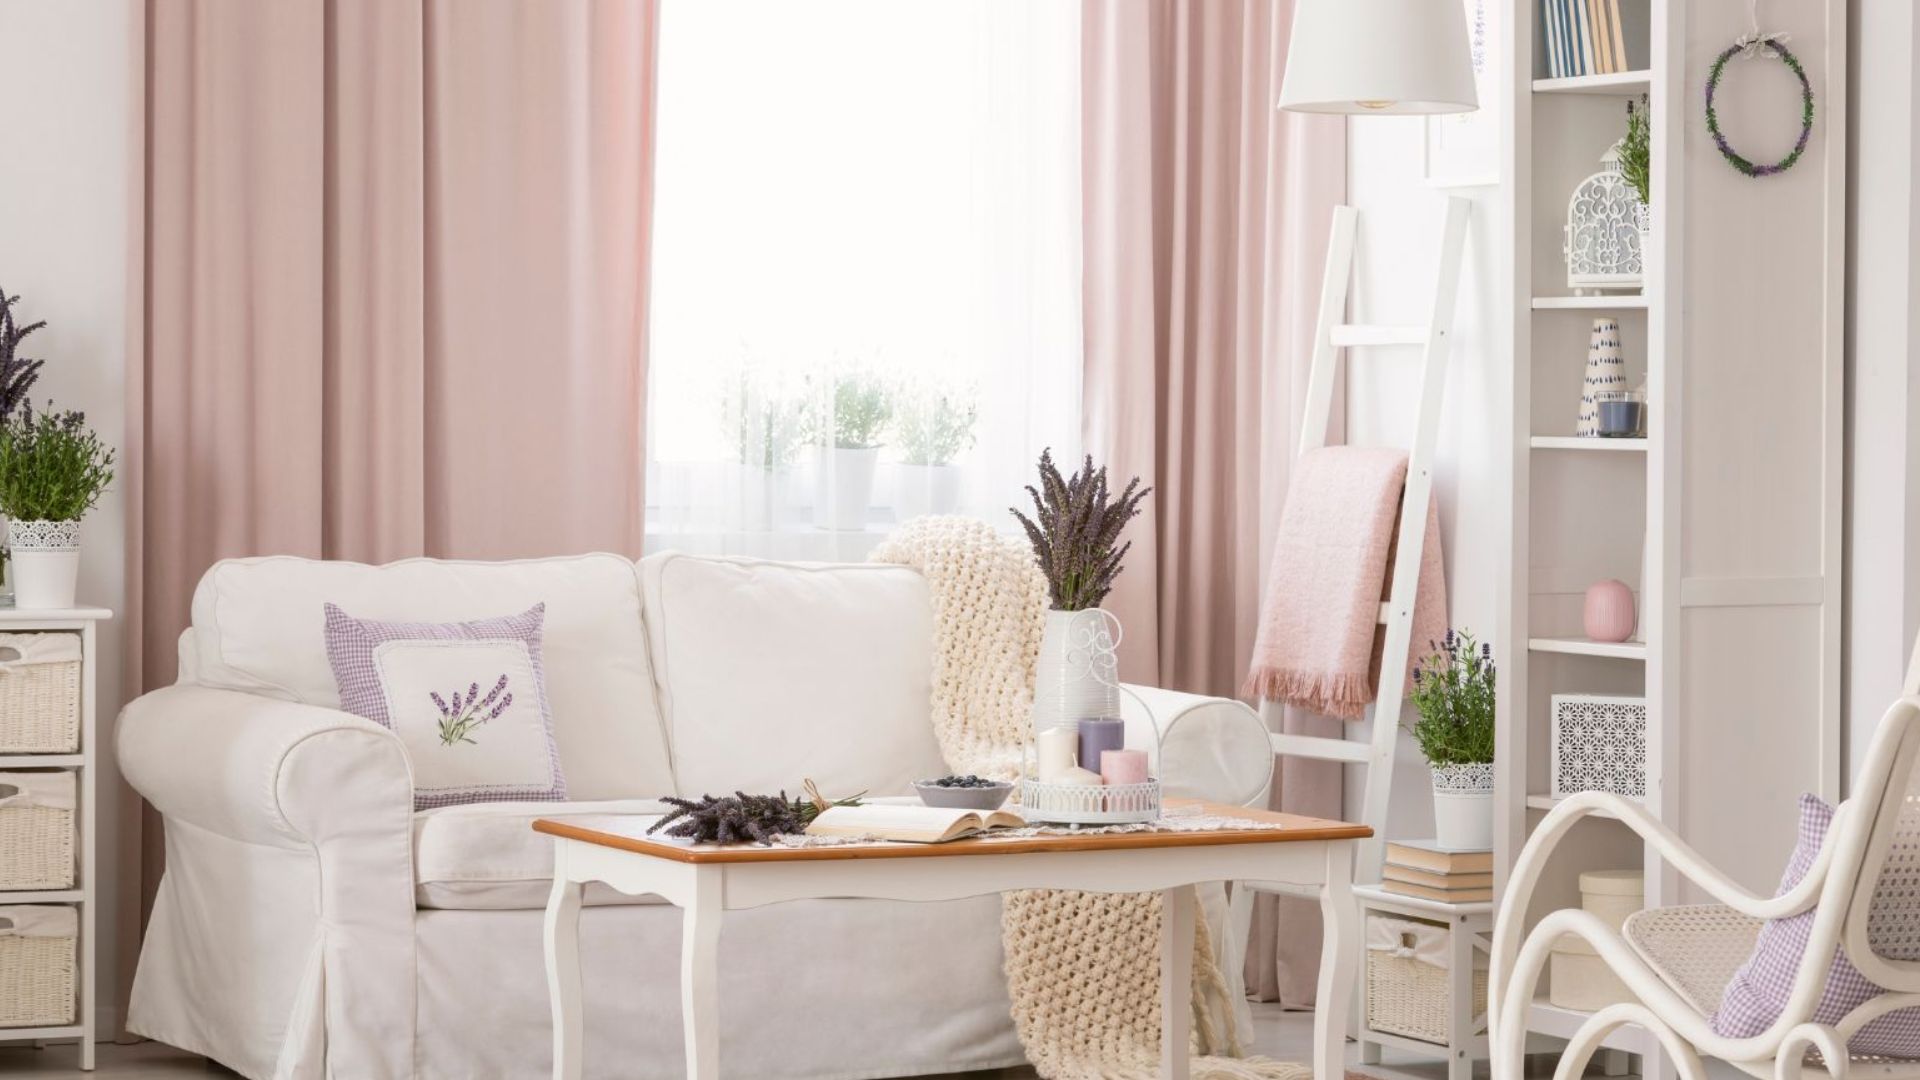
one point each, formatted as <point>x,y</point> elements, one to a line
<point>1407,978</point>
<point>36,830</point>
<point>39,693</point>
<point>38,965</point>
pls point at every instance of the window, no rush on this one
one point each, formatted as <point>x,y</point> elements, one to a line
<point>866,267</point>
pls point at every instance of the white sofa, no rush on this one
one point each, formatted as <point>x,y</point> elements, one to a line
<point>311,924</point>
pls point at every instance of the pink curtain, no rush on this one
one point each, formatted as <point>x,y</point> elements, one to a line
<point>390,268</point>
<point>1207,212</point>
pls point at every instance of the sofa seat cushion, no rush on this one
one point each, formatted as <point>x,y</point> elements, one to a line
<point>259,626</point>
<point>772,673</point>
<point>486,856</point>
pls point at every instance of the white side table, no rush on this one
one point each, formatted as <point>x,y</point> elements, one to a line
<point>85,763</point>
<point>1469,931</point>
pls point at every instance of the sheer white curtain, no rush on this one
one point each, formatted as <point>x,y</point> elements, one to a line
<point>866,267</point>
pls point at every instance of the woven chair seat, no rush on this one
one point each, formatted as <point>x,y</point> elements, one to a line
<point>1696,949</point>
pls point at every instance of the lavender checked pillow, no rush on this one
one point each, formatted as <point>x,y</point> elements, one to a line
<point>1758,992</point>
<point>468,700</point>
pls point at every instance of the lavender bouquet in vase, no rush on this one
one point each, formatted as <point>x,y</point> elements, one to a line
<point>1075,531</point>
<point>17,376</point>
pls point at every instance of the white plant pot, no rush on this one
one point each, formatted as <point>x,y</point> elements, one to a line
<point>919,490</point>
<point>46,563</point>
<point>1077,674</point>
<point>843,488</point>
<point>1463,807</point>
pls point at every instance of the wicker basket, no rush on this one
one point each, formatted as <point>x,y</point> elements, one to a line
<point>39,693</point>
<point>1407,979</point>
<point>36,830</point>
<point>38,968</point>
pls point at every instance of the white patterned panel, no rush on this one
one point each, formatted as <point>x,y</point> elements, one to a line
<point>1599,744</point>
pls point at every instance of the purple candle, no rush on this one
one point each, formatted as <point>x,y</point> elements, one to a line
<point>1097,736</point>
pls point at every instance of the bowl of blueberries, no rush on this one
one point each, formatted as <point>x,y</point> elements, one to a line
<point>963,792</point>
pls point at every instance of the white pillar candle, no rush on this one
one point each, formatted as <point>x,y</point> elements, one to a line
<point>1058,747</point>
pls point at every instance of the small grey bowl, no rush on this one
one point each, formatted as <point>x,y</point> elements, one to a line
<point>961,798</point>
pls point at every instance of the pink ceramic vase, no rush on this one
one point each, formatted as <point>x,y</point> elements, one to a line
<point>1609,614</point>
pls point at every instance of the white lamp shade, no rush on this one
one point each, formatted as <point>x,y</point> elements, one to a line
<point>1371,57</point>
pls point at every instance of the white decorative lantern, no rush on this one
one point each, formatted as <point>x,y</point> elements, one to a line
<point>1605,220</point>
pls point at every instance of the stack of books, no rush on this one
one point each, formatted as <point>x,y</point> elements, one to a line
<point>1424,869</point>
<point>1589,37</point>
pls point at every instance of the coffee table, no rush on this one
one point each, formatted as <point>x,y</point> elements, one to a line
<point>706,881</point>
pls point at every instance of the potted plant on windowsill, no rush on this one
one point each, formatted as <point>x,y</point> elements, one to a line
<point>1075,533</point>
<point>53,469</point>
<point>1453,689</point>
<point>765,418</point>
<point>934,426</point>
<point>846,425</point>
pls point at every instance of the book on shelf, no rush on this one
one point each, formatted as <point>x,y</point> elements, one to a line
<point>1427,879</point>
<point>1444,896</point>
<point>1594,37</point>
<point>913,824</point>
<point>1428,855</point>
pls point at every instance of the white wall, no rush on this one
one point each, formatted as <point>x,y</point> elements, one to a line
<point>63,243</point>
<point>1397,251</point>
<point>1883,363</point>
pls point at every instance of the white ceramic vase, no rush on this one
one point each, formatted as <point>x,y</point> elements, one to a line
<point>45,563</point>
<point>1463,806</point>
<point>843,487</point>
<point>919,490</point>
<point>1078,672</point>
<point>1606,370</point>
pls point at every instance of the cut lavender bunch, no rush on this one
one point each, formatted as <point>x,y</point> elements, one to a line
<point>1075,529</point>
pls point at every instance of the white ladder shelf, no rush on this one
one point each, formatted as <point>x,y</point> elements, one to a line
<point>1396,614</point>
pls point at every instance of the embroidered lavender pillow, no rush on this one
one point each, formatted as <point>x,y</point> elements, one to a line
<point>468,700</point>
<point>1759,990</point>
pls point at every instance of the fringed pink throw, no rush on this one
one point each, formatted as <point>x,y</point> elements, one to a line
<point>1320,641</point>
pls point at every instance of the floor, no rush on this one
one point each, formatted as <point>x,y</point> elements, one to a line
<point>1284,1035</point>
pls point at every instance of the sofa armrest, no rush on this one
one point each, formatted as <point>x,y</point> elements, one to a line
<point>261,770</point>
<point>1202,747</point>
<point>289,873</point>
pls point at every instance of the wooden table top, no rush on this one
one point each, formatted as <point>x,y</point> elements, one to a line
<point>629,833</point>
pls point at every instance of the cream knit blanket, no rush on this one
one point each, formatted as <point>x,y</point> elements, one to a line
<point>1083,969</point>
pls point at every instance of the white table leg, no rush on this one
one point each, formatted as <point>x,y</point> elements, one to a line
<point>1339,962</point>
<point>700,975</point>
<point>563,968</point>
<point>1176,982</point>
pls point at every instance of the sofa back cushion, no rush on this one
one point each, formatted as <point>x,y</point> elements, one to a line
<point>259,625</point>
<point>772,673</point>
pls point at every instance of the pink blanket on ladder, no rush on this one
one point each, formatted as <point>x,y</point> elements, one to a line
<point>1320,639</point>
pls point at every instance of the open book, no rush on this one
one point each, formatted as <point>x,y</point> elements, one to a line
<point>916,824</point>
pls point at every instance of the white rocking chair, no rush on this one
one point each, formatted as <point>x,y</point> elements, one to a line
<point>1864,888</point>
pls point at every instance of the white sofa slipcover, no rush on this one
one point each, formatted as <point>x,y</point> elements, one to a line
<point>311,924</point>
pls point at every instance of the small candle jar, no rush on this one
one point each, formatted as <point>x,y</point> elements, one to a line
<point>1620,414</point>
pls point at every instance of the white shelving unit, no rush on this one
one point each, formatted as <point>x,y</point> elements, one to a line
<point>85,764</point>
<point>1726,516</point>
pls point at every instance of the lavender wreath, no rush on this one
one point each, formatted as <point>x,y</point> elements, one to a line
<point>1770,46</point>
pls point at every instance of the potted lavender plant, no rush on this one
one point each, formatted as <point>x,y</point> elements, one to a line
<point>933,426</point>
<point>1075,532</point>
<point>17,376</point>
<point>1453,690</point>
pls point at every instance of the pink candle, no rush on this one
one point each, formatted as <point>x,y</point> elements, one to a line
<point>1123,766</point>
